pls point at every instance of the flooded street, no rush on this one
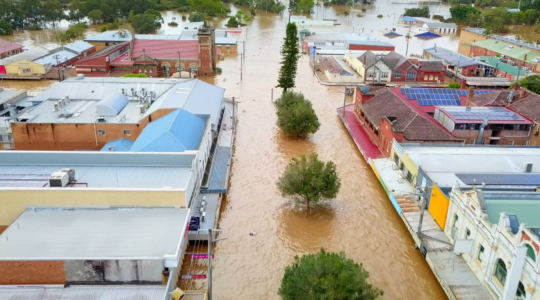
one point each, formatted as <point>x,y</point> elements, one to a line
<point>361,221</point>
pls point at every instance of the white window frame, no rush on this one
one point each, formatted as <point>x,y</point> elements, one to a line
<point>102,132</point>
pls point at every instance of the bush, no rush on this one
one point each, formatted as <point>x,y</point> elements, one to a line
<point>184,17</point>
<point>454,85</point>
<point>103,28</point>
<point>532,83</point>
<point>33,27</point>
<point>141,75</point>
<point>196,17</point>
<point>438,17</point>
<point>73,32</point>
<point>359,15</point>
<point>326,275</point>
<point>173,24</point>
<point>143,23</point>
<point>379,16</point>
<point>296,115</point>
<point>233,22</point>
<point>113,26</point>
<point>417,12</point>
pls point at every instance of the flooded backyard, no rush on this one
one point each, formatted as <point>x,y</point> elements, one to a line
<point>361,221</point>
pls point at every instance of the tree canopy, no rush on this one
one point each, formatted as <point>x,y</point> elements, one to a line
<point>459,13</point>
<point>308,179</point>
<point>417,12</point>
<point>289,58</point>
<point>196,17</point>
<point>301,5</point>
<point>208,7</point>
<point>143,23</point>
<point>73,32</point>
<point>266,5</point>
<point>326,275</point>
<point>295,114</point>
<point>532,83</point>
<point>5,28</point>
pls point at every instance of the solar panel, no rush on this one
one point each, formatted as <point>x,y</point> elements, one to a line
<point>492,113</point>
<point>411,96</point>
<point>501,179</point>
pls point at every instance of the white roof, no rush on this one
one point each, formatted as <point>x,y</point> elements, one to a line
<point>110,36</point>
<point>94,292</point>
<point>79,46</point>
<point>29,55</point>
<point>63,56</point>
<point>440,25</point>
<point>94,233</point>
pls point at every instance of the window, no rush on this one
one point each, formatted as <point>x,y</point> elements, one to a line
<point>93,69</point>
<point>467,233</point>
<point>521,290</point>
<point>437,78</point>
<point>384,74</point>
<point>525,143</point>
<point>106,44</point>
<point>480,253</point>
<point>510,142</point>
<point>10,137</point>
<point>370,74</point>
<point>127,132</point>
<point>411,75</point>
<point>398,74</point>
<point>425,77</point>
<point>102,132</point>
<point>410,177</point>
<point>530,252</point>
<point>1,138</point>
<point>473,141</point>
<point>500,271</point>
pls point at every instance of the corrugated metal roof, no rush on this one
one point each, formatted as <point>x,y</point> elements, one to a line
<point>29,55</point>
<point>79,46</point>
<point>157,36</point>
<point>440,25</point>
<point>225,41</point>
<point>526,206</point>
<point>501,66</point>
<point>509,50</point>
<point>84,293</point>
<point>100,169</point>
<point>118,145</point>
<point>63,56</point>
<point>175,132</point>
<point>93,233</point>
<point>451,57</point>
<point>110,36</point>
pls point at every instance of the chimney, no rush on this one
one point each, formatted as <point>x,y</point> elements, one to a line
<point>522,92</point>
<point>363,94</point>
<point>515,86</point>
<point>470,94</point>
<point>463,84</point>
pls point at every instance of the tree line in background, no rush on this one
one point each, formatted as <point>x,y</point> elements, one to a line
<point>301,6</point>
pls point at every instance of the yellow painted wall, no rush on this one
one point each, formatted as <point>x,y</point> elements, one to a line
<point>13,202</point>
<point>16,68</point>
<point>355,64</point>
<point>406,160</point>
<point>438,206</point>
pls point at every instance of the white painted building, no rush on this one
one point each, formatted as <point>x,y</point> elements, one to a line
<point>302,21</point>
<point>497,234</point>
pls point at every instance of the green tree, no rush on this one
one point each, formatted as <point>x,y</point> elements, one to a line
<point>233,22</point>
<point>76,11</point>
<point>196,17</point>
<point>156,14</point>
<point>208,7</point>
<point>454,85</point>
<point>532,83</point>
<point>52,12</point>
<point>289,58</point>
<point>5,28</point>
<point>459,13</point>
<point>308,179</point>
<point>417,12</point>
<point>96,16</point>
<point>143,23</point>
<point>73,32</point>
<point>296,115</point>
<point>326,275</point>
<point>304,6</point>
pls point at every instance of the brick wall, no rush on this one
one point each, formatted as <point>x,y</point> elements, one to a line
<point>404,68</point>
<point>32,272</point>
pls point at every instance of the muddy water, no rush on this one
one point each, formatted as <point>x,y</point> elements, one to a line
<point>360,221</point>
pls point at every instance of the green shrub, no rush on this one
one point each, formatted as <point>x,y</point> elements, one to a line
<point>173,24</point>
<point>379,16</point>
<point>33,27</point>
<point>103,28</point>
<point>141,75</point>
<point>454,85</point>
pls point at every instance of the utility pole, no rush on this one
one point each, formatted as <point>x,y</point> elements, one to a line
<point>244,51</point>
<point>211,242</point>
<point>57,66</point>
<point>344,102</point>
<point>241,65</point>
<point>289,15</point>
<point>407,37</point>
<point>272,95</point>
<point>233,112</point>
<point>422,208</point>
<point>179,66</point>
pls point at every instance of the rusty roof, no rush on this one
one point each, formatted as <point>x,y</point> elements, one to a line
<point>431,65</point>
<point>528,106</point>
<point>491,99</point>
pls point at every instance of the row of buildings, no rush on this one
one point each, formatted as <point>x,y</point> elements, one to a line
<point>125,172</point>
<point>474,208</point>
<point>114,53</point>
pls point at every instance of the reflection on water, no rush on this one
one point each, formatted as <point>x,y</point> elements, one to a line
<point>361,221</point>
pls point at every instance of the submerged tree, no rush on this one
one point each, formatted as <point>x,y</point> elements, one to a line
<point>309,179</point>
<point>326,275</point>
<point>295,115</point>
<point>289,58</point>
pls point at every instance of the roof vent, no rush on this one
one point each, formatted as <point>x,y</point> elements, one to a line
<point>80,76</point>
<point>101,119</point>
<point>55,107</point>
<point>111,148</point>
<point>66,114</point>
<point>60,104</point>
<point>528,167</point>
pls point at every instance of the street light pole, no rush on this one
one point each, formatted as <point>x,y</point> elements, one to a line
<point>57,67</point>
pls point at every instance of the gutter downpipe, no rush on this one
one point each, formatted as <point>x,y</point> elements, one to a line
<point>95,133</point>
<point>481,131</point>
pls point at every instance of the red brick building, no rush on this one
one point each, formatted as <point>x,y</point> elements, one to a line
<point>386,117</point>
<point>431,71</point>
<point>99,63</point>
<point>9,49</point>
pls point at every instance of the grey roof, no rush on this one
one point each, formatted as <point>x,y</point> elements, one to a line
<point>110,36</point>
<point>192,25</point>
<point>29,55</point>
<point>441,163</point>
<point>97,292</point>
<point>371,43</point>
<point>441,25</point>
<point>476,114</point>
<point>157,36</point>
<point>79,46</point>
<point>193,95</point>
<point>94,233</point>
<point>99,169</point>
<point>503,38</point>
<point>6,95</point>
<point>451,57</point>
<point>63,56</point>
<point>226,41</point>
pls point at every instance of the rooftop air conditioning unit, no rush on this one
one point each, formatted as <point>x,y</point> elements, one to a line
<point>59,179</point>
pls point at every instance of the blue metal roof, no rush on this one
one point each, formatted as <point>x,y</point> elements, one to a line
<point>428,35</point>
<point>118,145</point>
<point>408,19</point>
<point>175,132</point>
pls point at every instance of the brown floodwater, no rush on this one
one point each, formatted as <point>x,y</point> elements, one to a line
<point>361,221</point>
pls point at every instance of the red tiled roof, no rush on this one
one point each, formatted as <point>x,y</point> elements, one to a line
<point>414,125</point>
<point>431,65</point>
<point>528,106</point>
<point>491,99</point>
<point>166,49</point>
<point>6,46</point>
